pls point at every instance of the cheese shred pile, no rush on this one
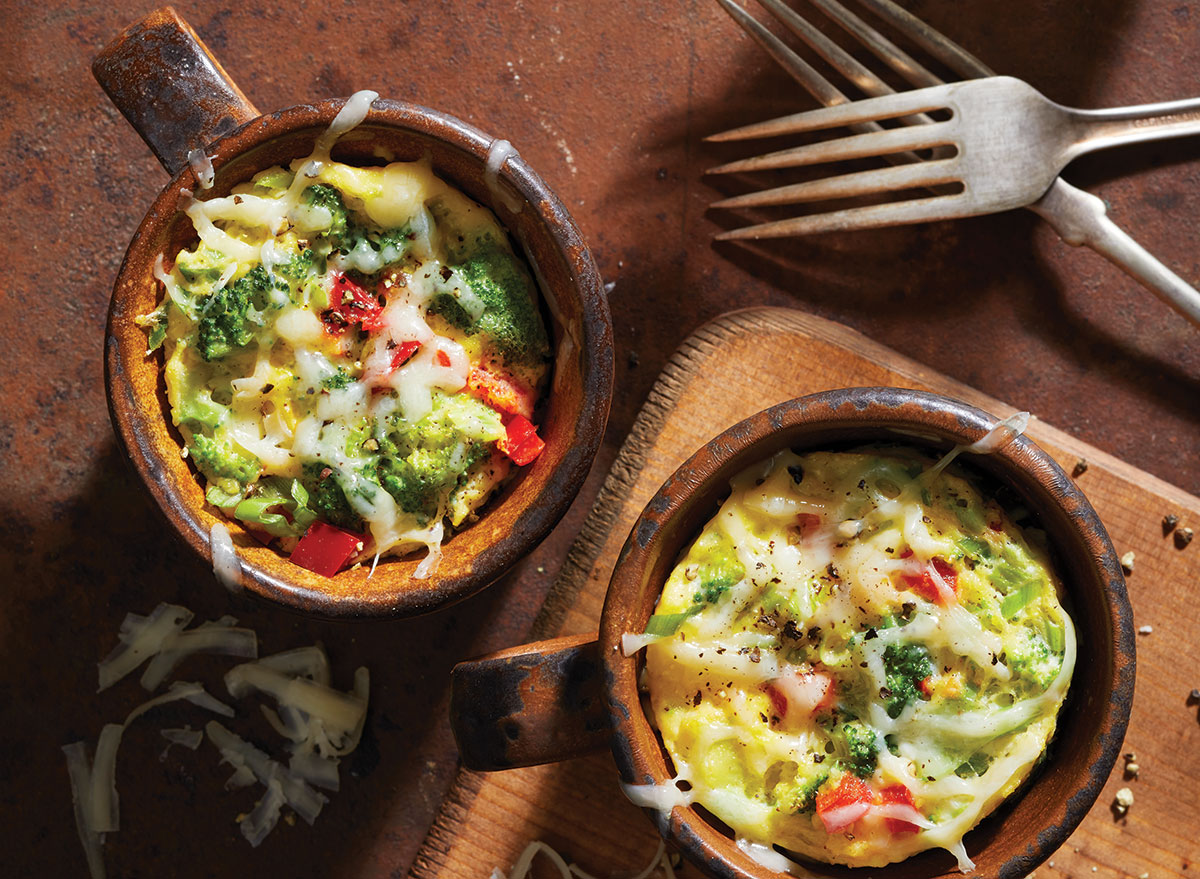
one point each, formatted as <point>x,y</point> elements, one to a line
<point>319,723</point>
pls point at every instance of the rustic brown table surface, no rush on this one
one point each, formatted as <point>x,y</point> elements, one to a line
<point>610,102</point>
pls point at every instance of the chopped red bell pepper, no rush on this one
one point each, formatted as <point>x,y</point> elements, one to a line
<point>521,442</point>
<point>324,549</point>
<point>923,584</point>
<point>402,353</point>
<point>840,807</point>
<point>502,393</point>
<point>898,793</point>
<point>350,304</point>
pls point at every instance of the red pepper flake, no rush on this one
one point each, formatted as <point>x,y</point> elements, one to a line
<point>443,358</point>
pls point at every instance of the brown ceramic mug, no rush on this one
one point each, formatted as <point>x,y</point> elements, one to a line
<point>561,698</point>
<point>179,99</point>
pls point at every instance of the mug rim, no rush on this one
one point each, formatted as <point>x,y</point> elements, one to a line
<point>591,338</point>
<point>656,539</point>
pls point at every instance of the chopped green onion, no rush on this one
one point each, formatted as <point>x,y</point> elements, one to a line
<point>1016,600</point>
<point>216,496</point>
<point>669,623</point>
<point>1055,637</point>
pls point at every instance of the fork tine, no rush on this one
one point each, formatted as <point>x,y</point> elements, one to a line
<point>897,58</point>
<point>835,55</point>
<point>857,146</point>
<point>901,213</point>
<point>799,69</point>
<point>902,104</point>
<point>848,185</point>
<point>935,43</point>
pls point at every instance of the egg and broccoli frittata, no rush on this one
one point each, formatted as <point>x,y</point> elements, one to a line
<point>859,657</point>
<point>353,357</point>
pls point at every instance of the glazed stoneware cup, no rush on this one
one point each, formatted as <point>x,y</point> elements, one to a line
<point>178,98</point>
<point>562,698</point>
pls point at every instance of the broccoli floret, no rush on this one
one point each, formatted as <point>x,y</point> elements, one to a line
<point>905,665</point>
<point>201,264</point>
<point>421,463</point>
<point>1034,661</point>
<point>862,749</point>
<point>231,316</point>
<point>326,498</point>
<point>717,567</point>
<point>299,266</point>
<point>510,319</point>
<point>219,460</point>
<point>338,380</point>
<point>322,195</point>
<point>419,479</point>
<point>395,244</point>
<point>716,576</point>
<point>802,798</point>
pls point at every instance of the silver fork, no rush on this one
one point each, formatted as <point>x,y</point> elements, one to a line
<point>1009,143</point>
<point>1078,217</point>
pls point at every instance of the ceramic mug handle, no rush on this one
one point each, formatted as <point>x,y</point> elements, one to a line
<point>539,703</point>
<point>174,93</point>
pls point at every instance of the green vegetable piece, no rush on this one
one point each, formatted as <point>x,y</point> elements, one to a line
<point>230,317</point>
<point>396,244</point>
<point>273,179</point>
<point>421,464</point>
<point>218,497</point>
<point>201,264</point>
<point>157,322</point>
<point>804,799</point>
<point>327,500</point>
<point>276,507</point>
<point>322,195</point>
<point>219,460</point>
<point>1014,602</point>
<point>299,267</point>
<point>669,623</point>
<point>337,381</point>
<point>510,320</point>
<point>198,408</point>
<point>970,517</point>
<point>905,666</point>
<point>716,577</point>
<point>1056,638</point>
<point>975,547</point>
<point>1034,661</point>
<point>862,748</point>
<point>976,765</point>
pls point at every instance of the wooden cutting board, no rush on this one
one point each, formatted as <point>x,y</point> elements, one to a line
<point>732,367</point>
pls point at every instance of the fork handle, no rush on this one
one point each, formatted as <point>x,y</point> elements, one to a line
<point>1080,218</point>
<point>1100,129</point>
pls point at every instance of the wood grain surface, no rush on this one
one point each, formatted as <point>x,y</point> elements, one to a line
<point>730,368</point>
